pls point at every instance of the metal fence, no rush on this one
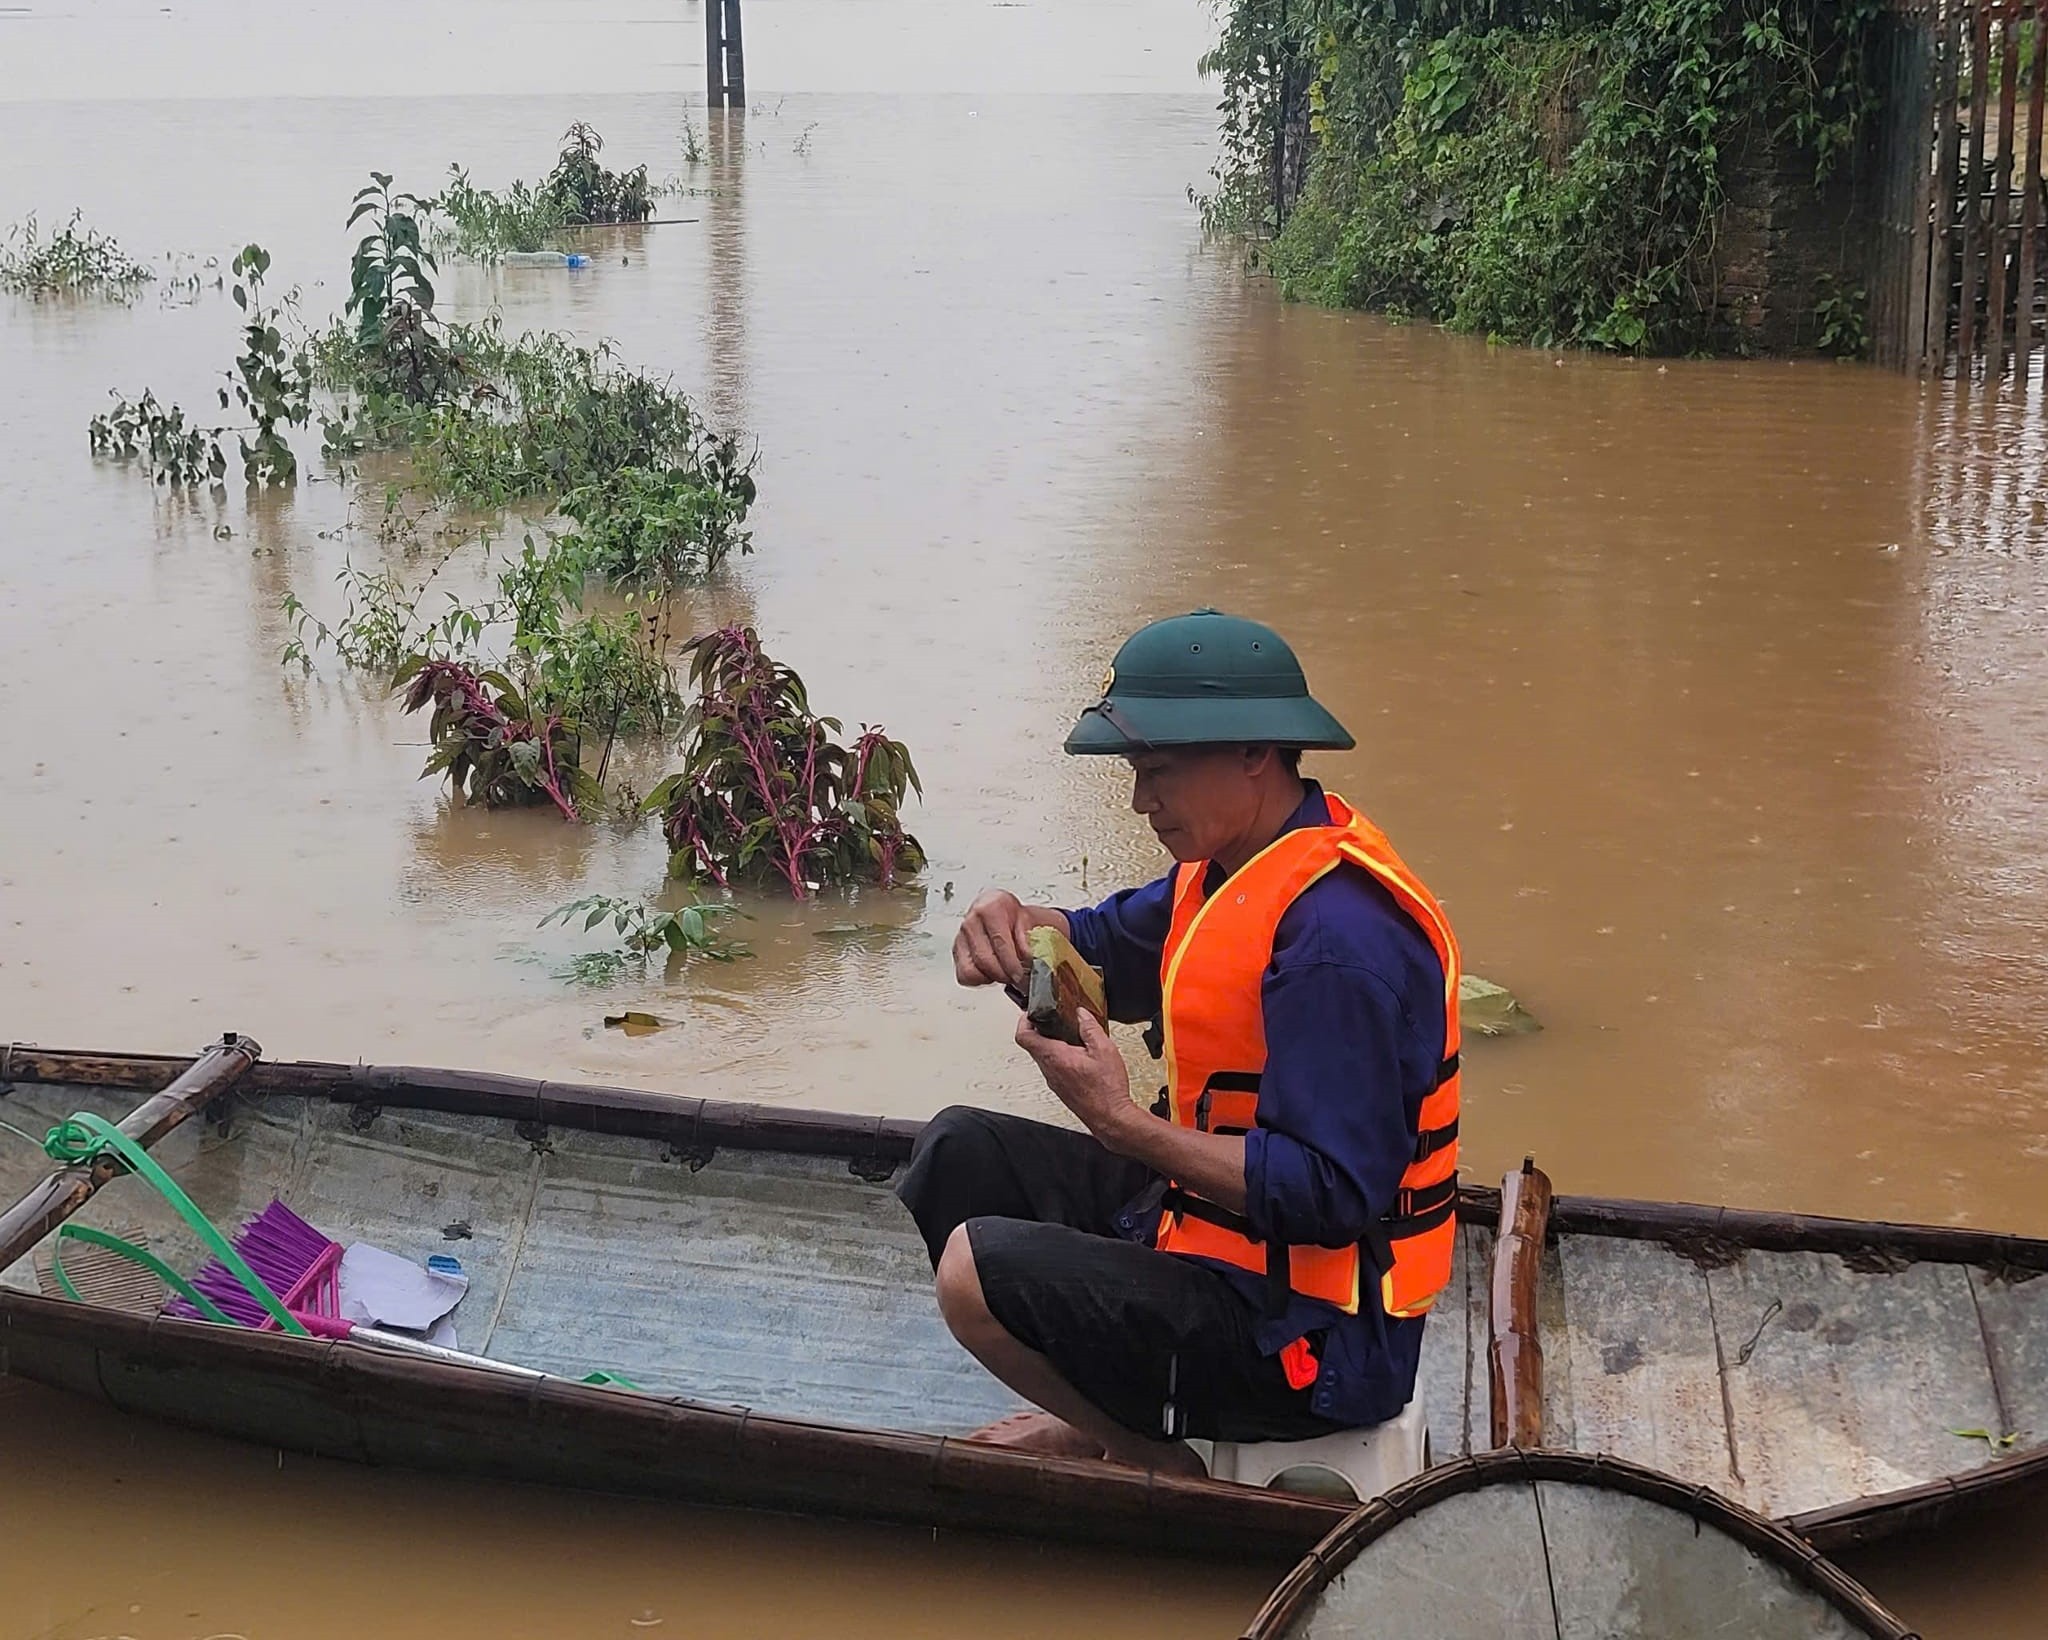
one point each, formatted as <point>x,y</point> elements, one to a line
<point>1958,271</point>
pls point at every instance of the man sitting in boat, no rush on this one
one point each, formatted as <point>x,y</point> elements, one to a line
<point>1250,1259</point>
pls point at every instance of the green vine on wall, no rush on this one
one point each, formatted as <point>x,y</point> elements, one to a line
<point>1548,173</point>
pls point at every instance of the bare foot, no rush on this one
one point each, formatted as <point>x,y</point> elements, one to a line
<point>1163,1458</point>
<point>1054,1437</point>
<point>1038,1432</point>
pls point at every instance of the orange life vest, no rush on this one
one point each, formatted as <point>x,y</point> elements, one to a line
<point>1214,1044</point>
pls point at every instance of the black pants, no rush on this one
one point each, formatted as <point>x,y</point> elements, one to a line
<point>1162,1344</point>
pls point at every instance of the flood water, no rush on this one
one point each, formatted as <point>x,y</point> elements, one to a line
<point>1708,696</point>
<point>307,1549</point>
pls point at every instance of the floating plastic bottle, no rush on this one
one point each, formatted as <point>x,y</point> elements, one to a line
<point>545,259</point>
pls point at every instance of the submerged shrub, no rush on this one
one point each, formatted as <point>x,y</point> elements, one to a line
<point>483,225</point>
<point>586,192</point>
<point>271,383</point>
<point>667,525</point>
<point>493,748</point>
<point>609,671</point>
<point>75,260</point>
<point>767,794</point>
<point>540,417</point>
<point>398,351</point>
<point>643,932</point>
<point>172,450</point>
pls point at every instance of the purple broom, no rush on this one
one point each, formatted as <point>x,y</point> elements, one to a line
<point>297,1263</point>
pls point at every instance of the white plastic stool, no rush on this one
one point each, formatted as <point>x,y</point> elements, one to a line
<point>1362,1463</point>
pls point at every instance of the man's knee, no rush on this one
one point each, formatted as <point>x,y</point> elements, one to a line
<point>957,1282</point>
<point>956,1279</point>
<point>955,1130</point>
<point>950,1156</point>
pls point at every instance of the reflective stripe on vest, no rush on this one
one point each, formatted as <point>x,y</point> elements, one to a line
<point>1216,954</point>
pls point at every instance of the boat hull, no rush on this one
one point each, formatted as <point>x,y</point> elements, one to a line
<point>750,1263</point>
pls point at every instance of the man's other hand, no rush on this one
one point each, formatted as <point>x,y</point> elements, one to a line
<point>1092,1080</point>
<point>990,948</point>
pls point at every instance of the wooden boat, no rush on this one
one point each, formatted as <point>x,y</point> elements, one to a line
<point>748,1269</point>
<point>1516,1545</point>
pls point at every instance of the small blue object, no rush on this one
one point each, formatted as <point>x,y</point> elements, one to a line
<point>578,260</point>
<point>443,1264</point>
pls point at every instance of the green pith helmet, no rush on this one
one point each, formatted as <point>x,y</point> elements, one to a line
<point>1205,679</point>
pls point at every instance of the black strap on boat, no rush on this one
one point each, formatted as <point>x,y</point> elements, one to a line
<point>1430,1140</point>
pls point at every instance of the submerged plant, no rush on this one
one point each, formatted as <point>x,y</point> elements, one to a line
<point>75,260</point>
<point>172,450</point>
<point>766,793</point>
<point>382,625</point>
<point>669,524</point>
<point>271,385</point>
<point>588,193</point>
<point>492,747</point>
<point>643,932</point>
<point>608,671</point>
<point>484,225</point>
<point>400,350</point>
<point>1841,318</point>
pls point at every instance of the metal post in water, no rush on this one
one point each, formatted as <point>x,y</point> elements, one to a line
<point>735,57</point>
<point>714,54</point>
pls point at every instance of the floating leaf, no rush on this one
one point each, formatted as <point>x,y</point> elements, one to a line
<point>635,1023</point>
<point>1486,1009</point>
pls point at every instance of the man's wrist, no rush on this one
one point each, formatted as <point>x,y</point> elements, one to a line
<point>1125,1131</point>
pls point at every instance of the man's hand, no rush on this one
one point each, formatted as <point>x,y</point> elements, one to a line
<point>990,948</point>
<point>1092,1080</point>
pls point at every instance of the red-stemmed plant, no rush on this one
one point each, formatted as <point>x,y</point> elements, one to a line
<point>489,743</point>
<point>766,793</point>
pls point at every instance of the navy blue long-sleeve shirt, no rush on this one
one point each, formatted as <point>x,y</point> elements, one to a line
<point>1354,1020</point>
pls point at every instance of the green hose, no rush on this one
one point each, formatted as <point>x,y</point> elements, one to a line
<point>81,1136</point>
<point>140,1255</point>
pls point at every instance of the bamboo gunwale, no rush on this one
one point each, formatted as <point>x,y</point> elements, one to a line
<point>1514,1352</point>
<point>201,1081</point>
<point>694,1127</point>
<point>1374,1520</point>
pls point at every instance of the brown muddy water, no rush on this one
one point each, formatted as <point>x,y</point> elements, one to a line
<point>1709,696</point>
